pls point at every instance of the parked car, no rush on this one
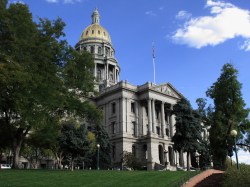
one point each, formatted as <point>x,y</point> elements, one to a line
<point>5,166</point>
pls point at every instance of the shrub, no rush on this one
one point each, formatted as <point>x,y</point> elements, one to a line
<point>234,177</point>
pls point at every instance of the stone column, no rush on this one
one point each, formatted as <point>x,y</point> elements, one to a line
<point>137,118</point>
<point>149,116</point>
<point>162,119</point>
<point>150,165</point>
<point>118,116</point>
<point>95,71</point>
<point>107,72</point>
<point>115,75</point>
<point>171,121</point>
<point>124,115</point>
<point>153,116</point>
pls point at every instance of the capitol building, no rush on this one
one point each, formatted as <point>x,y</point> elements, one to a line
<point>137,117</point>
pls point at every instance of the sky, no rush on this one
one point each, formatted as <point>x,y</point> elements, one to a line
<point>192,39</point>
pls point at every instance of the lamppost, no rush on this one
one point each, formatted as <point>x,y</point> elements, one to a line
<point>98,148</point>
<point>234,134</point>
<point>197,157</point>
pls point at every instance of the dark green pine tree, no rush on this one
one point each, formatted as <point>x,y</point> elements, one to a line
<point>187,137</point>
<point>229,113</point>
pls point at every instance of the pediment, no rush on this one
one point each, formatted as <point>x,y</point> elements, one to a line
<point>168,89</point>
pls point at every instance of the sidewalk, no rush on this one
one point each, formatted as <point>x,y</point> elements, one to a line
<point>198,178</point>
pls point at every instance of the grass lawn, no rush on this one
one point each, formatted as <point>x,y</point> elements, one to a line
<point>63,178</point>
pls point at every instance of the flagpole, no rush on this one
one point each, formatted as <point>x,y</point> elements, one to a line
<point>153,56</point>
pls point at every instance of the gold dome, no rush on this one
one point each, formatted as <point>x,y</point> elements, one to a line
<point>96,32</point>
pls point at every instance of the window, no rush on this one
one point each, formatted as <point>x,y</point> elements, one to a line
<point>133,150</point>
<point>113,108</point>
<point>99,74</point>
<point>167,131</point>
<point>104,33</point>
<point>147,111</point>
<point>111,77</point>
<point>113,128</point>
<point>158,130</point>
<point>157,114</point>
<point>87,33</point>
<point>113,152</point>
<point>93,31</point>
<point>92,49</point>
<point>133,128</point>
<point>133,107</point>
<point>84,49</point>
<point>99,50</point>
<point>99,32</point>
<point>107,51</point>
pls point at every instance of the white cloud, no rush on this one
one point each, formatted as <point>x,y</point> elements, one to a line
<point>183,15</point>
<point>243,157</point>
<point>52,1</point>
<point>64,1</point>
<point>150,13</point>
<point>225,22</point>
<point>161,8</point>
<point>21,2</point>
<point>71,1</point>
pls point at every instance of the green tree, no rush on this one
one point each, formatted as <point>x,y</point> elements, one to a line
<point>41,77</point>
<point>229,113</point>
<point>76,141</point>
<point>102,138</point>
<point>205,113</point>
<point>187,137</point>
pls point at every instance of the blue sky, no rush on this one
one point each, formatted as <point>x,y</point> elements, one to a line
<point>193,39</point>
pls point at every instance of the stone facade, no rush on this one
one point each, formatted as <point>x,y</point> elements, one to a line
<point>137,118</point>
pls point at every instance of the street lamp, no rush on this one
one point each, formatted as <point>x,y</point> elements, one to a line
<point>197,157</point>
<point>98,148</point>
<point>234,134</point>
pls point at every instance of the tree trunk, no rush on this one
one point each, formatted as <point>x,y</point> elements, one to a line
<point>17,144</point>
<point>181,160</point>
<point>188,163</point>
<point>16,152</point>
<point>72,164</point>
<point>59,159</point>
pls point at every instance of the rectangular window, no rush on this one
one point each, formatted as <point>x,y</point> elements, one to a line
<point>157,114</point>
<point>133,150</point>
<point>113,152</point>
<point>167,132</point>
<point>133,128</point>
<point>113,128</point>
<point>133,107</point>
<point>158,130</point>
<point>113,108</point>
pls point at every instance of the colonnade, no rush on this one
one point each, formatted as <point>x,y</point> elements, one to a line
<point>151,103</point>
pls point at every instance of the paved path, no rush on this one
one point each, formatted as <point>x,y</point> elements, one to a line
<point>206,178</point>
<point>213,180</point>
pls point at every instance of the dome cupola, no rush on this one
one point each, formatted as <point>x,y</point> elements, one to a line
<point>95,31</point>
<point>96,40</point>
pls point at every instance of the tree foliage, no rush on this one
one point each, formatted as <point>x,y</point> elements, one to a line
<point>187,137</point>
<point>229,113</point>
<point>42,78</point>
<point>76,141</point>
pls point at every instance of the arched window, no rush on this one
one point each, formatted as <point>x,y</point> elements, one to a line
<point>99,74</point>
<point>111,76</point>
<point>99,50</point>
